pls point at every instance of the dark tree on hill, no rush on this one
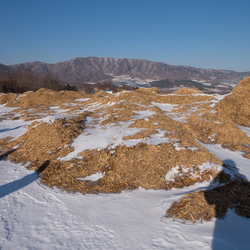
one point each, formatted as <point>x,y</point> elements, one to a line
<point>19,82</point>
<point>24,80</point>
<point>71,87</point>
<point>48,82</point>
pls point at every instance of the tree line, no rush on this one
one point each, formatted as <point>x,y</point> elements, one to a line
<point>24,80</point>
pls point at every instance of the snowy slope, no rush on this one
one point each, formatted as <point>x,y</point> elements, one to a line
<point>37,217</point>
<point>34,216</point>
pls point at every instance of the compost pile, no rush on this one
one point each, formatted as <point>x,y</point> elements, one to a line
<point>133,139</point>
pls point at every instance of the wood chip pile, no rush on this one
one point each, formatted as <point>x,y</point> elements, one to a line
<point>194,116</point>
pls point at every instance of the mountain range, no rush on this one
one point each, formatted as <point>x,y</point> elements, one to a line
<point>96,69</point>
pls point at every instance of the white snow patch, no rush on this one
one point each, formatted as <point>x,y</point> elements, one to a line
<point>204,166</point>
<point>172,173</point>
<point>165,106</point>
<point>178,147</point>
<point>232,158</point>
<point>206,83</point>
<point>213,111</point>
<point>5,110</point>
<point>110,136</point>
<point>193,148</point>
<point>221,97</point>
<point>82,99</point>
<point>94,177</point>
<point>49,119</point>
<point>142,114</point>
<point>13,128</point>
<point>245,129</point>
<point>96,105</point>
<point>101,137</point>
<point>209,165</point>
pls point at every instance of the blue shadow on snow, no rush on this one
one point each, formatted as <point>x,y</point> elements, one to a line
<point>11,187</point>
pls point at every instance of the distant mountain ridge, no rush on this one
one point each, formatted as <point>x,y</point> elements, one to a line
<point>94,69</point>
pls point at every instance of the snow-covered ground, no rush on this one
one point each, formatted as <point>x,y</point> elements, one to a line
<point>34,216</point>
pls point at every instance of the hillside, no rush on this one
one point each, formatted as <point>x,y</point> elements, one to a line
<point>4,69</point>
<point>150,157</point>
<point>94,69</point>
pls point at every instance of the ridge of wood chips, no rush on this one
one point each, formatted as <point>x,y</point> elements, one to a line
<point>123,167</point>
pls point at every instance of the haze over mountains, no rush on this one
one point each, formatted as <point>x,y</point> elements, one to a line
<point>132,71</point>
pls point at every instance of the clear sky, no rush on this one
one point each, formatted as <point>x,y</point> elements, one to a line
<point>199,33</point>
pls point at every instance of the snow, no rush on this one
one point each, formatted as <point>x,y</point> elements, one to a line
<point>101,137</point>
<point>170,175</point>
<point>221,97</point>
<point>34,216</point>
<point>16,128</point>
<point>13,128</point>
<point>178,147</point>
<point>5,110</point>
<point>204,166</point>
<point>232,158</point>
<point>165,106</point>
<point>49,119</point>
<point>94,177</point>
<point>245,129</point>
<point>142,114</point>
<point>110,136</point>
<point>82,99</point>
<point>57,110</point>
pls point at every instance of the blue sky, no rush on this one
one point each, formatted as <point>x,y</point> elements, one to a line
<point>199,33</point>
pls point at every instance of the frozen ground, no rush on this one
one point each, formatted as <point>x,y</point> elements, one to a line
<point>33,216</point>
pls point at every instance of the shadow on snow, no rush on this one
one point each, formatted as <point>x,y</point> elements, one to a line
<point>11,187</point>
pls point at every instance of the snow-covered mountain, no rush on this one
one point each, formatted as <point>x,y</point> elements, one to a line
<point>94,69</point>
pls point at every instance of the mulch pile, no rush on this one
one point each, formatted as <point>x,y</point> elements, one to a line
<point>236,106</point>
<point>208,204</point>
<point>142,165</point>
<point>44,141</point>
<point>128,168</point>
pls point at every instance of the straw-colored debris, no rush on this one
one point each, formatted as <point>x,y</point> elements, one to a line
<point>44,141</point>
<point>211,203</point>
<point>40,97</point>
<point>128,168</point>
<point>193,207</point>
<point>124,167</point>
<point>236,105</point>
<point>219,124</point>
<point>145,133</point>
<point>7,98</point>
<point>37,105</point>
